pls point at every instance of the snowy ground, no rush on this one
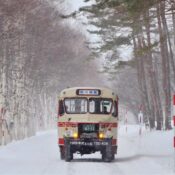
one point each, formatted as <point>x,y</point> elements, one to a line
<point>151,153</point>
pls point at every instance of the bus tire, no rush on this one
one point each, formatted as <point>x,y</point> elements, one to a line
<point>113,156</point>
<point>68,153</point>
<point>107,154</point>
<point>106,158</point>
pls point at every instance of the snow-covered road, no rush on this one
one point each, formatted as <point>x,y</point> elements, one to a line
<point>151,153</point>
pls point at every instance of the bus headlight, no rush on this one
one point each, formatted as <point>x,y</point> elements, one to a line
<point>101,136</point>
<point>75,135</point>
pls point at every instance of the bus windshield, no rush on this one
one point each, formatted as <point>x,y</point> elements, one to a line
<point>100,105</point>
<point>83,105</point>
<point>76,105</point>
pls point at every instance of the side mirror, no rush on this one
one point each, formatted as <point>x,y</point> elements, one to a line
<point>115,112</point>
<point>60,108</point>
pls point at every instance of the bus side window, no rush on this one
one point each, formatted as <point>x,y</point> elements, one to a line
<point>60,108</point>
<point>115,109</point>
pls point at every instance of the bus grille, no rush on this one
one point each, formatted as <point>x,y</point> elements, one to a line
<point>88,130</point>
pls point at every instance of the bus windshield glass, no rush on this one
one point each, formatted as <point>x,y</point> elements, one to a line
<point>76,105</point>
<point>100,105</point>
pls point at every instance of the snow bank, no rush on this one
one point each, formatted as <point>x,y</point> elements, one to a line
<point>150,152</point>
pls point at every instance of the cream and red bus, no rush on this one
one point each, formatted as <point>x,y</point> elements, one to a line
<point>87,122</point>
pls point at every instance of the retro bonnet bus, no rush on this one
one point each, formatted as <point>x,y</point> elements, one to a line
<point>87,122</point>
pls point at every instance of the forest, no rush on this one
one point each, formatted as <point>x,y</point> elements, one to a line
<point>40,54</point>
<point>146,29</point>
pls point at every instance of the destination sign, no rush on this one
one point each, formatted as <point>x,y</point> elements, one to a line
<point>93,92</point>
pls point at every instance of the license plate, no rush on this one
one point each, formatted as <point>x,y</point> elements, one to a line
<point>83,143</point>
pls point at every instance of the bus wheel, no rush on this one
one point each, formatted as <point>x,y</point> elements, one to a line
<point>62,152</point>
<point>103,155</point>
<point>107,154</point>
<point>107,158</point>
<point>68,153</point>
<point>113,156</point>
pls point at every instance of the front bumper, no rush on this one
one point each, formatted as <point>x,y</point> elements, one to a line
<point>86,146</point>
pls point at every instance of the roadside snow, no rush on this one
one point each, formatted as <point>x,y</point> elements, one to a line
<point>150,153</point>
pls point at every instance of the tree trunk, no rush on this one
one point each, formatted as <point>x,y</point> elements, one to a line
<point>153,79</point>
<point>165,63</point>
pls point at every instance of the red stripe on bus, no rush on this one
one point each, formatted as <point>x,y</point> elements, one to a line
<point>108,125</point>
<point>72,124</point>
<point>61,141</point>
<point>60,124</point>
<point>67,124</point>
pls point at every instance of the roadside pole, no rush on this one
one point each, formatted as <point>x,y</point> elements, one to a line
<point>140,119</point>
<point>174,127</point>
<point>3,122</point>
<point>3,133</point>
<point>126,121</point>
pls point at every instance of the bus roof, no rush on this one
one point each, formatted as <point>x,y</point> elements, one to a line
<point>87,92</point>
